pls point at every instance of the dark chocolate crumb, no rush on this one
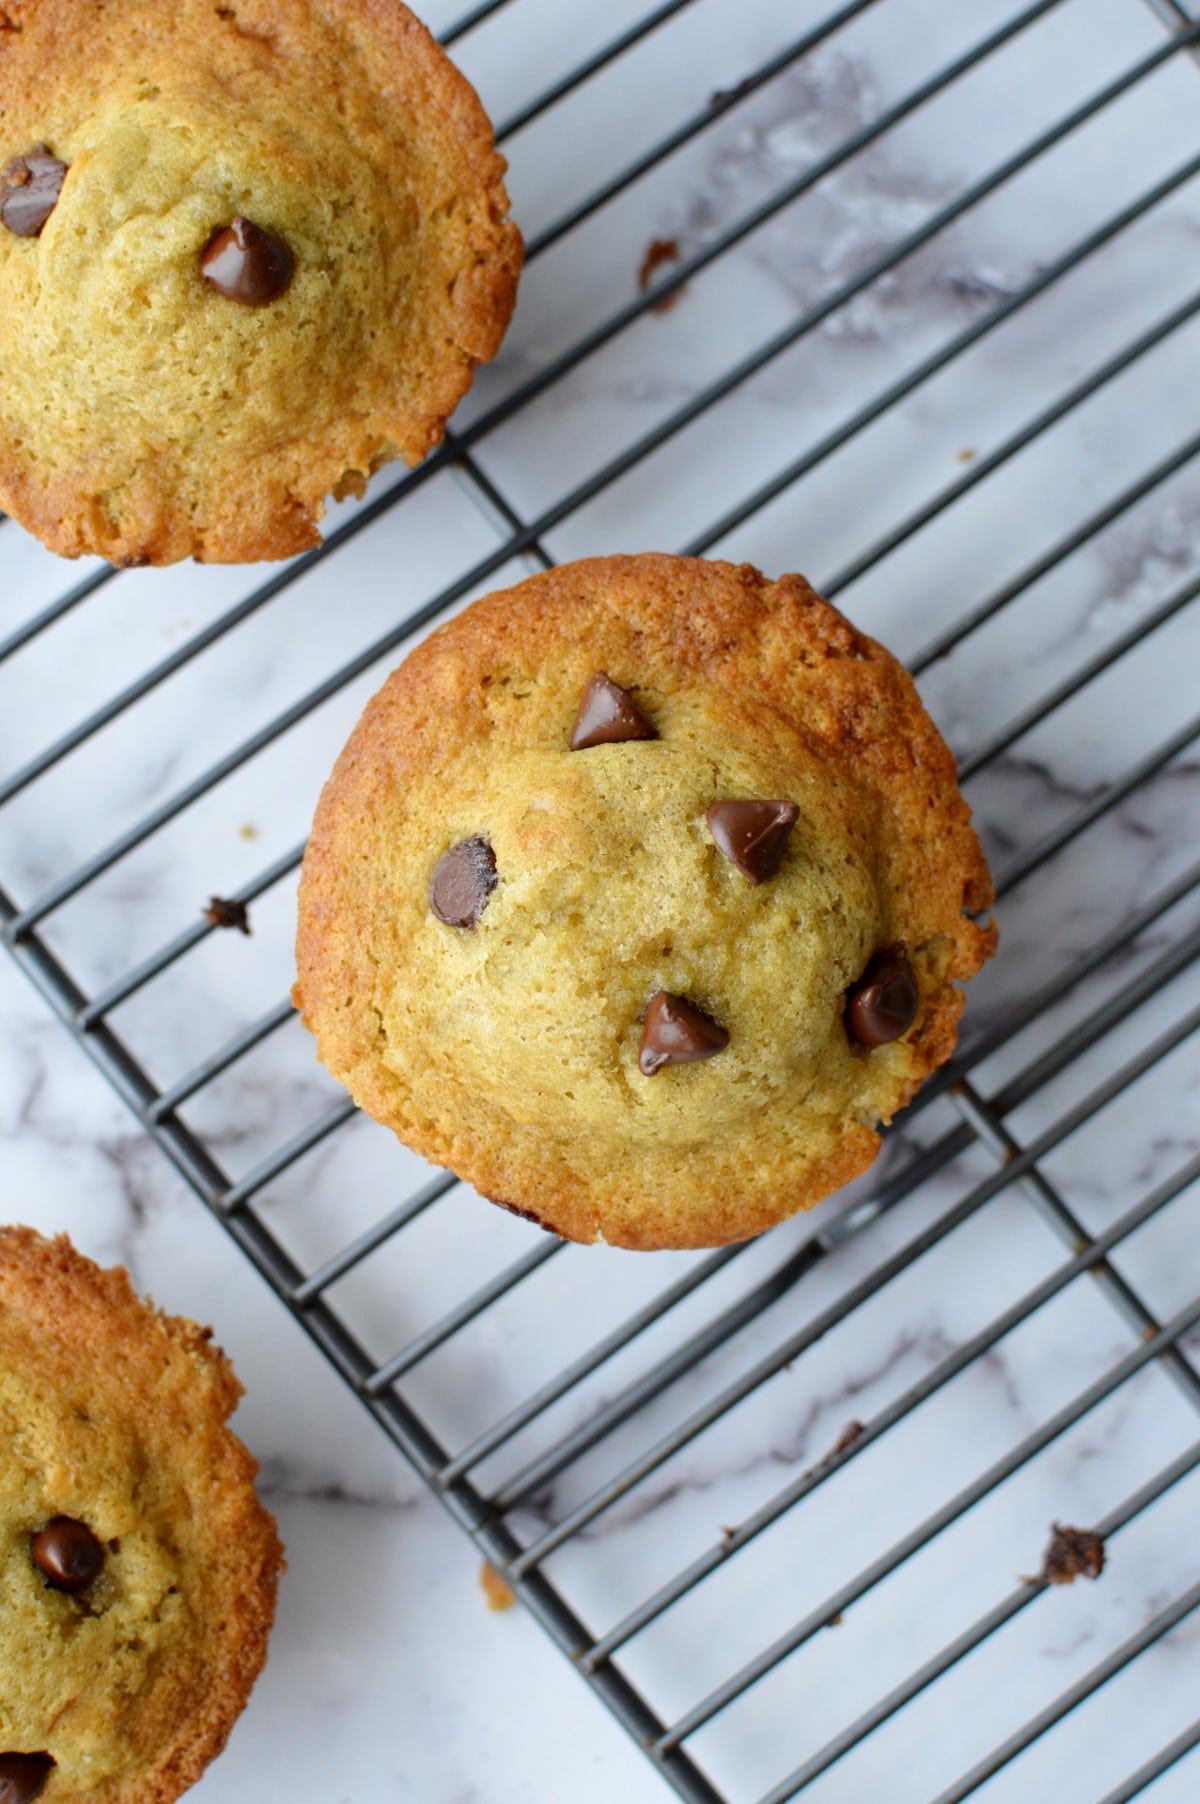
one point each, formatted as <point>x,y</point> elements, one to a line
<point>853,1431</point>
<point>658,252</point>
<point>1073,1553</point>
<point>719,96</point>
<point>223,911</point>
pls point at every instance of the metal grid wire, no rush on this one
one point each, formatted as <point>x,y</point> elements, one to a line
<point>531,1471</point>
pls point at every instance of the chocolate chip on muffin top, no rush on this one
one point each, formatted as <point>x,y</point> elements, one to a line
<point>23,1777</point>
<point>30,185</point>
<point>67,1554</point>
<point>246,263</point>
<point>675,1032</point>
<point>753,835</point>
<point>882,1005</point>
<point>607,715</point>
<point>462,883</point>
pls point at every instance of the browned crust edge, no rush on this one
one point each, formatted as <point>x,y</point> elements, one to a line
<point>269,521</point>
<point>49,1281</point>
<point>711,624</point>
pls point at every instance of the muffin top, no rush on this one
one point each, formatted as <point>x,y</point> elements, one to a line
<point>639,896</point>
<point>137,1568</point>
<point>248,253</point>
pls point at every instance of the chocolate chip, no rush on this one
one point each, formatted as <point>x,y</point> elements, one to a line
<point>515,1209</point>
<point>23,1777</point>
<point>676,1033</point>
<point>882,1005</point>
<point>752,835</point>
<point>245,263</point>
<point>607,714</point>
<point>67,1554</point>
<point>463,881</point>
<point>222,911</point>
<point>1073,1553</point>
<point>29,189</point>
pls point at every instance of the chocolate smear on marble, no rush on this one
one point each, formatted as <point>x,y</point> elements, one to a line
<point>658,252</point>
<point>463,881</point>
<point>752,835</point>
<point>608,714</point>
<point>675,1032</point>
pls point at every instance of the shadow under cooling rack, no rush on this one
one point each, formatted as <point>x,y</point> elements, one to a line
<point>923,320</point>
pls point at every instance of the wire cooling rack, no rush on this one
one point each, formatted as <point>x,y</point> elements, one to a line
<point>918,315</point>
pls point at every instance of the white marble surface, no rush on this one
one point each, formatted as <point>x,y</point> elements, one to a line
<point>388,1678</point>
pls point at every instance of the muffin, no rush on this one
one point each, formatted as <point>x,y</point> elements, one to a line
<point>640,895</point>
<point>137,1567</point>
<point>248,253</point>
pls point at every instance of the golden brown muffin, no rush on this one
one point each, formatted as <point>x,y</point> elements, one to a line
<point>137,1567</point>
<point>586,979</point>
<point>167,391</point>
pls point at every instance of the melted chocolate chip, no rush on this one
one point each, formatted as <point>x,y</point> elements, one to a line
<point>67,1554</point>
<point>23,1777</point>
<point>607,714</point>
<point>753,835</point>
<point>463,881</point>
<point>675,1033</point>
<point>245,263</point>
<point>882,1005</point>
<point>1073,1553</point>
<point>29,189</point>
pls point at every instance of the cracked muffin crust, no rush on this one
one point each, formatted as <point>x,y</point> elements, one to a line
<point>639,896</point>
<point>137,1567</point>
<point>249,251</point>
